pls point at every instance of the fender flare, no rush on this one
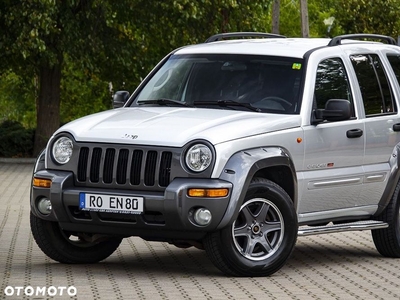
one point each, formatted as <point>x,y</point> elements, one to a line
<point>241,168</point>
<point>394,177</point>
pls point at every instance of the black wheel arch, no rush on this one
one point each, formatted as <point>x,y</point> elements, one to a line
<point>393,180</point>
<point>273,163</point>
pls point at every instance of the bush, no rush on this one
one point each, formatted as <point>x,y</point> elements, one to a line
<point>15,140</point>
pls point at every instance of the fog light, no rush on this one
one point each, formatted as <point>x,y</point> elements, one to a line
<point>202,216</point>
<point>44,206</point>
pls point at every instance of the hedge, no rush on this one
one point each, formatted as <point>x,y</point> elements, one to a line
<point>16,140</point>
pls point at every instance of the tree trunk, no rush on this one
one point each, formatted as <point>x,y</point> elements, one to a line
<point>276,7</point>
<point>47,105</point>
<point>305,31</point>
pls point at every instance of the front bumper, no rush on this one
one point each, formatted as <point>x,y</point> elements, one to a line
<point>166,214</point>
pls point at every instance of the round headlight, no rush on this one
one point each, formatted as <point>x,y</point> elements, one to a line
<point>62,150</point>
<point>198,157</point>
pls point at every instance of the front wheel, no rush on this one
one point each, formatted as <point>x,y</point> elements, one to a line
<point>262,237</point>
<point>68,247</point>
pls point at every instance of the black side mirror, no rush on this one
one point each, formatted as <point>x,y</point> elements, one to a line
<point>120,98</point>
<point>335,110</point>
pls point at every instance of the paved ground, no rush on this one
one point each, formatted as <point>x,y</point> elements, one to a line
<point>336,266</point>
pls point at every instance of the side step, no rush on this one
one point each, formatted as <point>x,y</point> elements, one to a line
<point>332,228</point>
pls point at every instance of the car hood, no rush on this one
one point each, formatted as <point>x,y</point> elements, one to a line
<point>171,126</point>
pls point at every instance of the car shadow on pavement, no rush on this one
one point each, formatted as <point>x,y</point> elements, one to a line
<point>159,259</point>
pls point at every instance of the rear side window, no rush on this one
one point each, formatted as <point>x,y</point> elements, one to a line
<point>394,61</point>
<point>375,88</point>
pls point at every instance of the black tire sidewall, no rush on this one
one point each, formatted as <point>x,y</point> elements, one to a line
<point>50,239</point>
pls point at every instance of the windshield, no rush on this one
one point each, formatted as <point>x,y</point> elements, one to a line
<point>240,82</point>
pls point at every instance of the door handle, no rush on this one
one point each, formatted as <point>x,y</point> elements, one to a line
<point>354,133</point>
<point>396,127</point>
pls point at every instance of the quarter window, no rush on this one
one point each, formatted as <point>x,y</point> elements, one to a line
<point>394,61</point>
<point>375,88</point>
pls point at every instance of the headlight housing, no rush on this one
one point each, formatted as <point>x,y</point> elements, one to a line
<point>198,158</point>
<point>62,150</point>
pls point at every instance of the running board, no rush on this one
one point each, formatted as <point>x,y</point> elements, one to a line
<point>332,228</point>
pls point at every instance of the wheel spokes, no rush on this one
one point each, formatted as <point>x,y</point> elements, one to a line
<point>259,229</point>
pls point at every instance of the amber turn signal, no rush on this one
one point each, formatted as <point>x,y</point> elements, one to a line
<point>40,182</point>
<point>208,193</point>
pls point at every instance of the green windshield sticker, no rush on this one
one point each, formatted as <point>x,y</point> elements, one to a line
<point>296,66</point>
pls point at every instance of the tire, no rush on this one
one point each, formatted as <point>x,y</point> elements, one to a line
<point>67,248</point>
<point>262,237</point>
<point>387,240</point>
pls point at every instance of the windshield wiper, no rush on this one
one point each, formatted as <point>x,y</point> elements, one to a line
<point>163,101</point>
<point>225,103</point>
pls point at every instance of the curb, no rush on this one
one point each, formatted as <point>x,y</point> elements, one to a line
<point>17,160</point>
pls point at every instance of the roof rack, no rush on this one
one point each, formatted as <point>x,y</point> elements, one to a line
<point>221,36</point>
<point>337,40</point>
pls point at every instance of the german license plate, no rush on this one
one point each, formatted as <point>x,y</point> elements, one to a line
<point>111,203</point>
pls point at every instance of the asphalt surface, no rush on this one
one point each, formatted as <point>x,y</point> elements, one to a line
<point>335,266</point>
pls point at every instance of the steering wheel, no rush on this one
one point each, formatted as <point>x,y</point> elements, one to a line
<point>276,99</point>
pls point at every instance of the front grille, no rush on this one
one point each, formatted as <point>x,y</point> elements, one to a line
<point>124,167</point>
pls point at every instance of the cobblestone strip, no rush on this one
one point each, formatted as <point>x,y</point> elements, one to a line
<point>368,270</point>
<point>28,264</point>
<point>70,279</point>
<point>150,274</point>
<point>134,283</point>
<point>5,218</point>
<point>114,284</point>
<point>339,274</point>
<point>303,288</point>
<point>11,251</point>
<point>192,278</point>
<point>11,182</point>
<point>214,280</point>
<point>92,281</point>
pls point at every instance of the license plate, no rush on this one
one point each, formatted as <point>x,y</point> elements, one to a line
<point>111,203</point>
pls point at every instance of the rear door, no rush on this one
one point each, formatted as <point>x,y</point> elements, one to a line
<point>382,123</point>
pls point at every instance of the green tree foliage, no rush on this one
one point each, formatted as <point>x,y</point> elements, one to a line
<point>378,16</point>
<point>59,56</point>
<point>17,98</point>
<point>104,40</point>
<point>39,34</point>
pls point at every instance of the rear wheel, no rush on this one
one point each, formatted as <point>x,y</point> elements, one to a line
<point>387,240</point>
<point>262,237</point>
<point>68,247</point>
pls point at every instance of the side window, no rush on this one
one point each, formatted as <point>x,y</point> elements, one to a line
<point>394,61</point>
<point>331,83</point>
<point>375,88</point>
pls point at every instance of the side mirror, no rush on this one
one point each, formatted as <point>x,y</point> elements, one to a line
<point>335,110</point>
<point>120,98</point>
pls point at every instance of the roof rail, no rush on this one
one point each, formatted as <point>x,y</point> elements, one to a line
<point>221,36</point>
<point>337,40</point>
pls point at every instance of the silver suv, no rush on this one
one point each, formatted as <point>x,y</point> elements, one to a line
<point>237,146</point>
